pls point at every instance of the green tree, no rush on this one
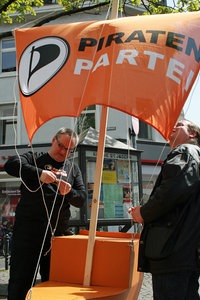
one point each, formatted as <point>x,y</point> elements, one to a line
<point>17,10</point>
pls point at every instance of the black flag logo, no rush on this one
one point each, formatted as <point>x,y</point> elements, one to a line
<point>40,62</point>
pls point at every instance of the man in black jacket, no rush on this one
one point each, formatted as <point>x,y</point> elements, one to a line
<point>170,239</point>
<point>50,184</point>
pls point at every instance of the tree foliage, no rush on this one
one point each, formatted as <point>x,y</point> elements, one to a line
<point>17,10</point>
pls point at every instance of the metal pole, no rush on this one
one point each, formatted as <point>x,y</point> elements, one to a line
<point>6,249</point>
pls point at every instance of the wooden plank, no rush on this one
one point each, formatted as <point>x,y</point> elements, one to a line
<point>97,181</point>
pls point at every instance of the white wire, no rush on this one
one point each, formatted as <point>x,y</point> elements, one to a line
<point>40,187</point>
<point>130,173</point>
<point>41,184</point>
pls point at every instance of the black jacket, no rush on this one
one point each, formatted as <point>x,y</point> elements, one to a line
<point>175,203</point>
<point>37,198</point>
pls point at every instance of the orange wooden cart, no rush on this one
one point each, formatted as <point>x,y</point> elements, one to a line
<point>114,273</point>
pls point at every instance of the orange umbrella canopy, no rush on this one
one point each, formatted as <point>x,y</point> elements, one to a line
<point>144,66</point>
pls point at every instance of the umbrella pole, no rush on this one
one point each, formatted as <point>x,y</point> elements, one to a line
<point>97,181</point>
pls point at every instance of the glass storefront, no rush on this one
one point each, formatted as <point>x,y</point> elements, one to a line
<point>119,186</point>
<point>9,197</point>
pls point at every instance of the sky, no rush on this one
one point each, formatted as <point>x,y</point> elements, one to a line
<point>192,105</point>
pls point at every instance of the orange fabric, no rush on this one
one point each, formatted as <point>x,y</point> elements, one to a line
<point>144,66</point>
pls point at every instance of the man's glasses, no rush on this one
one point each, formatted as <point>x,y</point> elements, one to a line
<point>63,147</point>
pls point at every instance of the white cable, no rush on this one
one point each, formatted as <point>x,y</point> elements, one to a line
<point>40,187</point>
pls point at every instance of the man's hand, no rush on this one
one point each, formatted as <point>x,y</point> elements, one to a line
<point>64,187</point>
<point>47,177</point>
<point>136,215</point>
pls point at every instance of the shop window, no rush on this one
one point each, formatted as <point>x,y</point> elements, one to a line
<point>46,2</point>
<point>9,198</point>
<point>119,187</point>
<point>145,131</point>
<point>8,119</point>
<point>8,55</point>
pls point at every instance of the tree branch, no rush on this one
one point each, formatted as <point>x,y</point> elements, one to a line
<point>58,15</point>
<point>5,6</point>
<point>67,13</point>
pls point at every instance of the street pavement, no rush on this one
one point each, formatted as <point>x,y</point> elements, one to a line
<point>145,292</point>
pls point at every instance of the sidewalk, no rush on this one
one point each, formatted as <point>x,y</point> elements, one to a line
<point>145,292</point>
<point>3,278</point>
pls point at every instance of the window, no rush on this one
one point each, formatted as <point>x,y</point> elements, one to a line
<point>8,55</point>
<point>50,2</point>
<point>145,131</point>
<point>8,118</point>
<point>86,119</point>
<point>9,198</point>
